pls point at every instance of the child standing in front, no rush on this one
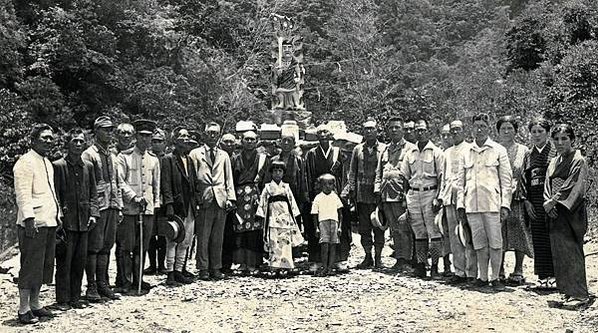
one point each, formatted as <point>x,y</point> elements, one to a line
<point>326,210</point>
<point>279,210</point>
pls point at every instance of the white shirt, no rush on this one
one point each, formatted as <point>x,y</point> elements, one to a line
<point>326,206</point>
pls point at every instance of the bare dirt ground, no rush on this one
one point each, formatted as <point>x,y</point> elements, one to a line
<point>359,301</point>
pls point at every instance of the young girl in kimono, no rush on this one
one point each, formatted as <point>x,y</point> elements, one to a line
<point>281,233</point>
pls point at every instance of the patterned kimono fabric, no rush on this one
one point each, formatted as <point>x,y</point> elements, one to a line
<point>535,175</point>
<point>516,236</point>
<point>248,230</point>
<point>281,232</point>
<point>568,177</point>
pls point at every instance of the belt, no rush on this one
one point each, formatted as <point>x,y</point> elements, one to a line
<point>423,189</point>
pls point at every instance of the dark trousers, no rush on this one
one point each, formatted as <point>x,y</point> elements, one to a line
<point>156,250</point>
<point>309,229</point>
<point>228,243</point>
<point>100,241</point>
<point>344,247</point>
<point>37,257</point>
<point>364,210</point>
<point>129,254</point>
<point>210,232</point>
<point>71,257</point>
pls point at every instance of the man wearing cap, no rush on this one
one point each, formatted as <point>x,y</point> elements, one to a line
<point>322,159</point>
<point>77,195</point>
<point>101,238</point>
<point>452,157</point>
<point>423,167</point>
<point>409,129</point>
<point>37,218</point>
<point>156,251</point>
<point>389,188</point>
<point>228,143</point>
<point>178,180</point>
<point>139,178</point>
<point>484,198</point>
<point>249,168</point>
<point>360,187</point>
<point>446,142</point>
<point>216,196</point>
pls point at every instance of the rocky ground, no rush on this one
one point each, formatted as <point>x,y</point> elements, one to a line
<point>359,301</point>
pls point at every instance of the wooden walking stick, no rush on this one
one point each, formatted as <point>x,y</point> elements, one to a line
<point>140,278</point>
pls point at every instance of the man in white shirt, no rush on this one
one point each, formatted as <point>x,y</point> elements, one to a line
<point>37,219</point>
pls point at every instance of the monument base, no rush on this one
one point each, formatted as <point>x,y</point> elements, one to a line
<point>277,116</point>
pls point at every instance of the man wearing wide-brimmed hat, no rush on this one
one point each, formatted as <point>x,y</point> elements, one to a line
<point>102,237</point>
<point>139,178</point>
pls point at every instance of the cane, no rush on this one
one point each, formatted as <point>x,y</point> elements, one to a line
<point>141,257</point>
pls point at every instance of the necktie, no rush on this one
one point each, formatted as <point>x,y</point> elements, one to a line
<point>212,155</point>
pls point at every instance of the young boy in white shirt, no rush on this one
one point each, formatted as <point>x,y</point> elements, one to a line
<point>326,209</point>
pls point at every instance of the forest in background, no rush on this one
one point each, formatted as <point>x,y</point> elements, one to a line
<point>65,62</point>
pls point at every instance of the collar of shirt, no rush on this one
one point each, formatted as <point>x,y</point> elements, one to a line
<point>489,143</point>
<point>37,155</point>
<point>429,145</point>
<point>72,161</point>
<point>397,145</point>
<point>326,153</point>
<point>102,150</point>
<point>539,150</point>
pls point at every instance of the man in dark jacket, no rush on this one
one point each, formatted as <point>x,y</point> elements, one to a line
<point>178,180</point>
<point>76,191</point>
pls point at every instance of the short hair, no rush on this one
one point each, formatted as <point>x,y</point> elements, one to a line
<point>539,121</point>
<point>563,128</point>
<point>277,165</point>
<point>125,127</point>
<point>507,119</point>
<point>38,129</point>
<point>481,116</point>
<point>212,124</point>
<point>73,133</point>
<point>425,121</point>
<point>395,119</point>
<point>175,132</point>
<point>326,177</point>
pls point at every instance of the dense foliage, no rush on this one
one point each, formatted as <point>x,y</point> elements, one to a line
<point>67,61</point>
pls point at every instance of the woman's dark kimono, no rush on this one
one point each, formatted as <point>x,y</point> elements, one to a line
<point>534,173</point>
<point>566,184</point>
<point>248,175</point>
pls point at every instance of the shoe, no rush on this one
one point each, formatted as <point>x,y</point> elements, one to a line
<point>191,275</point>
<point>516,279</point>
<point>162,271</point>
<point>204,276</point>
<point>105,291</point>
<point>497,285</point>
<point>61,307</point>
<point>448,273</point>
<point>479,283</point>
<point>378,260</point>
<point>367,262</point>
<point>27,318</point>
<point>456,279</point>
<point>171,281</point>
<point>150,271</point>
<point>181,278</point>
<point>420,271</point>
<point>92,294</point>
<point>43,312</point>
<point>77,305</point>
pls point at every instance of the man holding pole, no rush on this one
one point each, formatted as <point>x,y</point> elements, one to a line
<point>139,178</point>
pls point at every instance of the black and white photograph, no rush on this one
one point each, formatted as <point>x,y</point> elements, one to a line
<point>245,166</point>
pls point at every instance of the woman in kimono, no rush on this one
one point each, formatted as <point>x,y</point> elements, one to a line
<point>565,205</point>
<point>248,174</point>
<point>516,234</point>
<point>279,211</point>
<point>534,173</point>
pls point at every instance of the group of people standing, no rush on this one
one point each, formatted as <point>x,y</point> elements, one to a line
<point>475,200</point>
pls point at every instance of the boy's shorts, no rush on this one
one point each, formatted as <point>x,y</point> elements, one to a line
<point>329,232</point>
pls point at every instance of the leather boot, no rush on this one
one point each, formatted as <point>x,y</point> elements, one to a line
<point>171,280</point>
<point>434,275</point>
<point>92,293</point>
<point>420,270</point>
<point>367,261</point>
